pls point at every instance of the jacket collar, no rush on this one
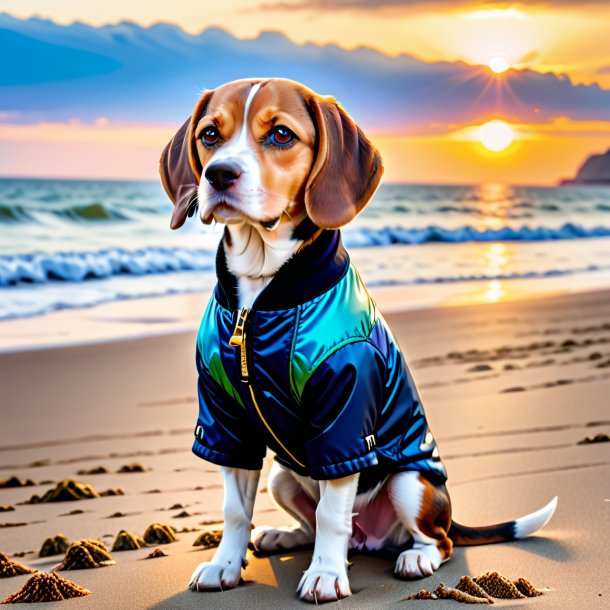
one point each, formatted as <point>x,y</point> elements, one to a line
<point>309,273</point>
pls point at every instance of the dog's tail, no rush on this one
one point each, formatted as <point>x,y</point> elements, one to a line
<point>502,532</point>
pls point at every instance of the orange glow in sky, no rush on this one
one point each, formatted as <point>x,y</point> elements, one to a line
<point>566,38</point>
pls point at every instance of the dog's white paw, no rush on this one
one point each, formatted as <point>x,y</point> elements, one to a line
<point>319,586</point>
<point>414,564</point>
<point>270,540</point>
<point>210,576</point>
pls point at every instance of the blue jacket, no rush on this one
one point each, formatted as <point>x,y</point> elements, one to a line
<point>311,371</point>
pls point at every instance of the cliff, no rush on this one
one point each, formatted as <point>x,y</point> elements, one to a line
<point>595,170</point>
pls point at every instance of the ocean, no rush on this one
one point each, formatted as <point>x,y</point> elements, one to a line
<point>77,243</point>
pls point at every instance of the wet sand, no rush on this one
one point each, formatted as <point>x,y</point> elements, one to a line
<point>509,390</point>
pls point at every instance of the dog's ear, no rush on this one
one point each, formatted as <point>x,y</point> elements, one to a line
<point>180,167</point>
<point>346,169</point>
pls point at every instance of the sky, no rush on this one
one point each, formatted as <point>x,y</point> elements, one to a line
<point>544,123</point>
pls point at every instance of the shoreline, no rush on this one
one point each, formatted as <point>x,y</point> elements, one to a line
<point>157,316</point>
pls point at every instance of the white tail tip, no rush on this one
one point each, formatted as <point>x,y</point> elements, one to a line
<point>526,526</point>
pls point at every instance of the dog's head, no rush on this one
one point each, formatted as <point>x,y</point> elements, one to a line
<point>254,149</point>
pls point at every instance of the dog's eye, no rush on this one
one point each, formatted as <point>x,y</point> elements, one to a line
<point>281,136</point>
<point>210,136</point>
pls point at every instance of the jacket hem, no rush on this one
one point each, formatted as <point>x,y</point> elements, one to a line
<point>343,469</point>
<point>225,459</point>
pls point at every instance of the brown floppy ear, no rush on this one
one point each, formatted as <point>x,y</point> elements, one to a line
<point>346,170</point>
<point>180,168</point>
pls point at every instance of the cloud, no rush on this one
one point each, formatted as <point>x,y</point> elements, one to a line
<point>367,5</point>
<point>130,74</point>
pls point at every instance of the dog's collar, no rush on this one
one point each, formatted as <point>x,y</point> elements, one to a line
<point>309,273</point>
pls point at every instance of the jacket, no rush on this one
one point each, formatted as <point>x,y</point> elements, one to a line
<point>311,371</point>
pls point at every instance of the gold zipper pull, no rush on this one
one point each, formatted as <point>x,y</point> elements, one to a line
<point>238,332</point>
<point>243,360</point>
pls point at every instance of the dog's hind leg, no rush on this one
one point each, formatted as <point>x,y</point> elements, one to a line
<point>293,494</point>
<point>425,511</point>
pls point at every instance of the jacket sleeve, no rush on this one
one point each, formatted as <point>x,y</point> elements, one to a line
<point>224,434</point>
<point>342,399</point>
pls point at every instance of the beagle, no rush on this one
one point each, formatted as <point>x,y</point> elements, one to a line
<point>293,354</point>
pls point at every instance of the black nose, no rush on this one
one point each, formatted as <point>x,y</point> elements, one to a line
<point>222,174</point>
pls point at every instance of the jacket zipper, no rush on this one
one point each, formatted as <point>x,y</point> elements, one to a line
<point>238,339</point>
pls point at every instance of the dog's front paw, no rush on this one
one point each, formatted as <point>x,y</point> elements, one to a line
<point>319,586</point>
<point>414,564</point>
<point>270,540</point>
<point>209,576</point>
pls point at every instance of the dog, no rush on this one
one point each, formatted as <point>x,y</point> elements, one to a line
<point>293,354</point>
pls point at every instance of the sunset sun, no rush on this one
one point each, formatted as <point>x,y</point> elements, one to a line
<point>498,64</point>
<point>496,135</point>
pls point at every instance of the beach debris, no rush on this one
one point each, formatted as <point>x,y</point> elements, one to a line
<point>54,546</point>
<point>9,568</point>
<point>46,587</point>
<point>6,509</point>
<point>96,470</point>
<point>467,585</point>
<point>22,553</point>
<point>76,511</point>
<point>598,438</point>
<point>66,491</point>
<point>135,467</point>
<point>208,540</point>
<point>153,491</point>
<point>421,594</point>
<point>16,482</point>
<point>117,491</point>
<point>182,515</point>
<point>443,592</point>
<point>85,554</point>
<point>526,587</point>
<point>158,533</point>
<point>176,507</point>
<point>39,463</point>
<point>156,553</point>
<point>20,524</point>
<point>126,541</point>
<point>187,530</point>
<point>498,586</point>
<point>479,368</point>
<point>116,515</point>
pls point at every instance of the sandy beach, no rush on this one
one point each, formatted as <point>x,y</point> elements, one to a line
<point>510,388</point>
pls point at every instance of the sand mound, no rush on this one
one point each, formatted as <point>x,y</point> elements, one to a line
<point>498,586</point>
<point>9,568</point>
<point>135,467</point>
<point>126,541</point>
<point>16,482</point>
<point>467,585</point>
<point>117,491</point>
<point>443,592</point>
<point>481,590</point>
<point>96,470</point>
<point>54,546</point>
<point>66,491</point>
<point>157,533</point>
<point>46,587</point>
<point>208,540</point>
<point>157,553</point>
<point>85,554</point>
